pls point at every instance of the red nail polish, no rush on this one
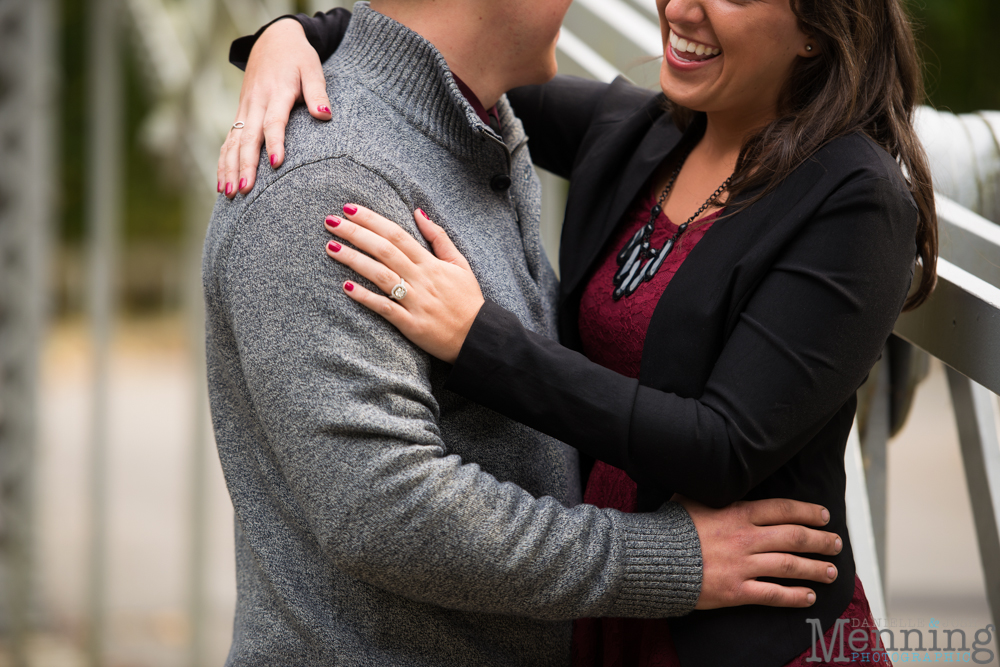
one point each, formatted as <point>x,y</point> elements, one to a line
<point>334,246</point>
<point>229,186</point>
<point>421,212</point>
<point>350,209</point>
<point>243,183</point>
<point>349,287</point>
<point>218,186</point>
<point>332,220</point>
<point>324,109</point>
<point>274,158</point>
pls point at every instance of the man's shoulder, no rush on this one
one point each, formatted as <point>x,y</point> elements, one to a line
<point>357,113</point>
<point>300,194</point>
<point>324,160</point>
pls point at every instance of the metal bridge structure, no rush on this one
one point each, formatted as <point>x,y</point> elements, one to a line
<point>183,45</point>
<point>27,37</point>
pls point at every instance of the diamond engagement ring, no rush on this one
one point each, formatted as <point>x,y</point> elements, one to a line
<point>399,291</point>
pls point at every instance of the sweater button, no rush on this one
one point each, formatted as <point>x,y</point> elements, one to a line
<point>500,182</point>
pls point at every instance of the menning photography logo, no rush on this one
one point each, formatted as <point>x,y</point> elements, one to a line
<point>855,641</point>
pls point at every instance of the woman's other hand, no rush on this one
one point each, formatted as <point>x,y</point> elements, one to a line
<point>283,69</point>
<point>748,540</point>
<point>441,297</point>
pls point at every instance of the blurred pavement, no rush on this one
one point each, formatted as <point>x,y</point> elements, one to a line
<point>934,568</point>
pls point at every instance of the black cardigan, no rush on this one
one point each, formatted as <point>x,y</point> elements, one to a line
<point>754,352</point>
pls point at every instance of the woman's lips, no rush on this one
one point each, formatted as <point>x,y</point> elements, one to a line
<point>687,54</point>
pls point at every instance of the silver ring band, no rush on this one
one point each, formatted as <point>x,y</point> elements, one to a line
<point>398,293</point>
<point>239,125</point>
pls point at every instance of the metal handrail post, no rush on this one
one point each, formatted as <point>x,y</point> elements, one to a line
<point>874,449</point>
<point>104,220</point>
<point>860,526</point>
<point>978,420</point>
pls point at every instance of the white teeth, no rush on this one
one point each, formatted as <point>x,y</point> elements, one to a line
<point>682,46</point>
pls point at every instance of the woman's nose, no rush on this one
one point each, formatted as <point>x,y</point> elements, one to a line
<point>682,12</point>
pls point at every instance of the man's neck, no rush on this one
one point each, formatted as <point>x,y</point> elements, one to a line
<point>465,40</point>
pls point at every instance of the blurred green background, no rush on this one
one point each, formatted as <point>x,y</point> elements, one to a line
<point>962,70</point>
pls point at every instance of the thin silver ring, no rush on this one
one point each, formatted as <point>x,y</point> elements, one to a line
<point>239,125</point>
<point>398,293</point>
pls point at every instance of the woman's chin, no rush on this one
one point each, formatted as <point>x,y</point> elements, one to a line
<point>679,93</point>
<point>676,91</point>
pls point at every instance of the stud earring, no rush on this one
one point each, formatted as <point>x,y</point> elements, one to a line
<point>809,47</point>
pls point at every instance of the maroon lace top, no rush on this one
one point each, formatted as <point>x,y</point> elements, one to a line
<point>613,335</point>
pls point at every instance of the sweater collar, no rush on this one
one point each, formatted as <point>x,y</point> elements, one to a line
<point>411,75</point>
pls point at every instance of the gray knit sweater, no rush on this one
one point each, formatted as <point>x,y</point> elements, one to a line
<point>381,520</point>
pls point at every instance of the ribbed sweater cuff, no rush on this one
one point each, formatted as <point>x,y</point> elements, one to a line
<point>663,567</point>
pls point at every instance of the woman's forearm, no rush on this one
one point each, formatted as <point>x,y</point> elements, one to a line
<point>324,31</point>
<point>803,343</point>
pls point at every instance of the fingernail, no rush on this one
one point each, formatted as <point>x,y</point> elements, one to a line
<point>324,109</point>
<point>332,220</point>
<point>218,186</point>
<point>243,183</point>
<point>274,158</point>
<point>831,572</point>
<point>811,598</point>
<point>333,246</point>
<point>421,212</point>
<point>229,186</point>
<point>826,516</point>
<point>350,209</point>
<point>839,544</point>
<point>349,287</point>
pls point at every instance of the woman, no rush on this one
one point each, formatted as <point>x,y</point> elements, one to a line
<point>732,263</point>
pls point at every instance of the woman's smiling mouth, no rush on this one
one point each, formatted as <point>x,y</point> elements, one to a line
<point>688,51</point>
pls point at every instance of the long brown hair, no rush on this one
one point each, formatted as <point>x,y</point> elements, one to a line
<point>866,77</point>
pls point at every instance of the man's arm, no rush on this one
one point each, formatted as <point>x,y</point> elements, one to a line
<point>346,405</point>
<point>350,420</point>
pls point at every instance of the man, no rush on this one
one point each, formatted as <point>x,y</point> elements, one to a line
<point>381,520</point>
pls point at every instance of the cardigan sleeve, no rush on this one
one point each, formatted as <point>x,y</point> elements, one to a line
<point>324,32</point>
<point>804,341</point>
<point>556,117</point>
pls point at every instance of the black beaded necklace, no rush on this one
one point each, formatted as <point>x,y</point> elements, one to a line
<point>632,272</point>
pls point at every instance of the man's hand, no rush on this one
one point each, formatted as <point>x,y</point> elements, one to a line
<point>283,69</point>
<point>748,540</point>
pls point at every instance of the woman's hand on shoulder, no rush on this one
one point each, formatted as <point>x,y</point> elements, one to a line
<point>434,297</point>
<point>283,69</point>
